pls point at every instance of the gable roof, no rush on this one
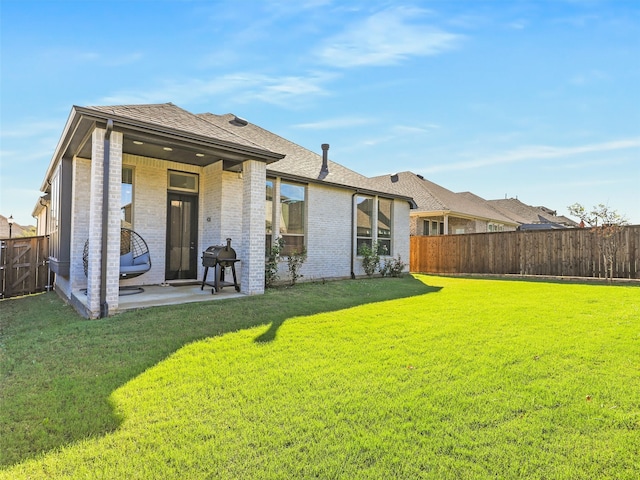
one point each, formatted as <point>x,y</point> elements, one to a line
<point>202,139</point>
<point>432,198</point>
<point>299,162</point>
<point>171,116</point>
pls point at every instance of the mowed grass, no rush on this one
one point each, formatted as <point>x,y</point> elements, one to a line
<point>453,378</point>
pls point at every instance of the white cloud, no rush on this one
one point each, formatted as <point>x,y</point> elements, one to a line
<point>413,129</point>
<point>30,129</point>
<point>386,38</point>
<point>341,122</point>
<point>536,152</point>
<point>590,77</point>
<point>239,87</point>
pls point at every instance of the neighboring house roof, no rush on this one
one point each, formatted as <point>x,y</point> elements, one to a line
<point>527,214</point>
<point>17,230</point>
<point>432,198</point>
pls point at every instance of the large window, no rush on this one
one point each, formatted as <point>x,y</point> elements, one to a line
<point>126,198</point>
<point>364,221</point>
<point>268,220</point>
<point>368,209</point>
<point>285,215</point>
<point>292,216</point>
<point>384,226</point>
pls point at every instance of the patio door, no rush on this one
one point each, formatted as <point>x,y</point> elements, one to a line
<point>182,236</point>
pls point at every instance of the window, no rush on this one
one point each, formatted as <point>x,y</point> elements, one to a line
<point>268,220</point>
<point>368,209</point>
<point>384,226</point>
<point>433,228</point>
<point>183,182</point>
<point>292,216</point>
<point>364,222</point>
<point>126,198</point>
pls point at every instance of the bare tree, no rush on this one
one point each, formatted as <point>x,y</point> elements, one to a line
<point>607,224</point>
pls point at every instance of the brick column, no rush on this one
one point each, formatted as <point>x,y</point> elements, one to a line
<point>253,227</point>
<point>95,222</point>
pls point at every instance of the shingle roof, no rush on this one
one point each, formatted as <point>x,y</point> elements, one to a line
<point>298,161</point>
<point>527,214</point>
<point>431,197</point>
<point>171,116</point>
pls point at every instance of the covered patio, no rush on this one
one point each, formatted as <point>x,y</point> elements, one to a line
<point>167,294</point>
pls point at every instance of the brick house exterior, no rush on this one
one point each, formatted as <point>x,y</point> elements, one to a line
<point>201,179</point>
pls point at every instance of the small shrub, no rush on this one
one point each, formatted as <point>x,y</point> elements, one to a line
<point>392,267</point>
<point>271,263</point>
<point>294,262</point>
<point>370,258</point>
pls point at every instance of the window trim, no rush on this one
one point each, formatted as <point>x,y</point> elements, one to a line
<point>171,188</point>
<point>276,212</point>
<point>133,181</point>
<point>374,227</point>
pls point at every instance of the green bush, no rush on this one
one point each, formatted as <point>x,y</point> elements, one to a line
<point>392,267</point>
<point>271,263</point>
<point>294,262</point>
<point>370,258</point>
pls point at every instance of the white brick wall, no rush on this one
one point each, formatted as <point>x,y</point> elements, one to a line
<point>231,205</point>
<point>95,222</point>
<point>329,230</point>
<point>79,220</point>
<point>253,228</point>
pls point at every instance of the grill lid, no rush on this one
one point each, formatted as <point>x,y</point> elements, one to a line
<point>220,252</point>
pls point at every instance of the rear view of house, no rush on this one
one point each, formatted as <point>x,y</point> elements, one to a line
<point>183,182</point>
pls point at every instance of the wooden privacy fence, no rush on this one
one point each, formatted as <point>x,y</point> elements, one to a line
<point>24,267</point>
<point>569,252</point>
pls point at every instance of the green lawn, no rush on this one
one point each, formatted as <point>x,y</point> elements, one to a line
<point>425,377</point>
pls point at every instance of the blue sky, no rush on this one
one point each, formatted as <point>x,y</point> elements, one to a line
<point>538,100</point>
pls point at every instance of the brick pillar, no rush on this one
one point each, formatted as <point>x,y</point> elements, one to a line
<point>95,222</point>
<point>253,227</point>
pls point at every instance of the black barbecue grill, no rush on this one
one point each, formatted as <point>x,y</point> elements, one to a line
<point>219,257</point>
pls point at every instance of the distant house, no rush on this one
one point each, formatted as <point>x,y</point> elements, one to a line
<point>184,182</point>
<point>16,230</point>
<point>442,212</point>
<point>529,217</point>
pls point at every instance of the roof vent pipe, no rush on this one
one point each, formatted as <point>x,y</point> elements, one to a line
<point>324,171</point>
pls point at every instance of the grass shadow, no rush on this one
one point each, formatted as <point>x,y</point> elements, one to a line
<point>57,370</point>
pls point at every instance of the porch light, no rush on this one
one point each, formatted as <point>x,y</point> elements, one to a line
<point>138,142</point>
<point>167,149</point>
<point>199,154</point>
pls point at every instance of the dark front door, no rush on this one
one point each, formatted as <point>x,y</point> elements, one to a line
<point>182,236</point>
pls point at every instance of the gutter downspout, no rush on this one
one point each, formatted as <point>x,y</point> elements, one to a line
<point>49,286</point>
<point>104,306</point>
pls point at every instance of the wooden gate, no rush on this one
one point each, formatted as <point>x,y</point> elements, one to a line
<point>24,266</point>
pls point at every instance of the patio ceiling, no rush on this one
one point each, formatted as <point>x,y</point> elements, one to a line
<point>172,150</point>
